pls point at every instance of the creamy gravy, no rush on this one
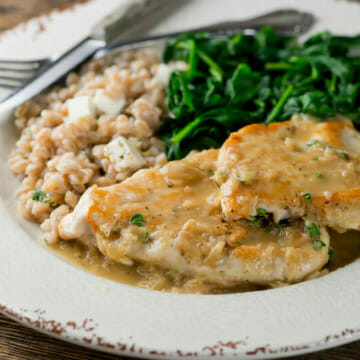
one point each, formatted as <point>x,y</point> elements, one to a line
<point>293,169</point>
<point>146,277</point>
<point>164,228</point>
<point>178,225</point>
<point>346,250</point>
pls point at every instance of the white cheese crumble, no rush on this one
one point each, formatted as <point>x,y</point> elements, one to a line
<point>108,105</point>
<point>123,155</point>
<point>75,224</point>
<point>81,106</point>
<point>163,74</point>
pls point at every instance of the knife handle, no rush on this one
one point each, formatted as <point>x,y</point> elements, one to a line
<point>122,18</point>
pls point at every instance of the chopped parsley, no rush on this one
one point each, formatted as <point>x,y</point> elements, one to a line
<point>211,172</point>
<point>240,180</point>
<point>138,220</point>
<point>45,198</point>
<point>280,225</point>
<point>307,197</point>
<point>314,232</point>
<point>330,254</point>
<point>316,158</point>
<point>261,218</point>
<point>268,228</point>
<point>39,195</point>
<point>313,142</point>
<point>146,237</point>
<point>319,175</point>
<point>318,244</point>
<point>339,152</point>
<point>343,155</point>
<point>261,212</point>
<point>312,229</point>
<point>217,184</point>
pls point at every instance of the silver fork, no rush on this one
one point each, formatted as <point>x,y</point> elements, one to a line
<point>29,78</point>
<point>13,73</point>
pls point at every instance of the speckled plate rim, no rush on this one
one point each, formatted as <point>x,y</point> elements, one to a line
<point>41,290</point>
<point>304,307</point>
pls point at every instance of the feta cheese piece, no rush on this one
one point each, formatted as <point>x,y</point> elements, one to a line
<point>163,74</point>
<point>75,224</point>
<point>81,106</point>
<point>108,105</point>
<point>123,155</point>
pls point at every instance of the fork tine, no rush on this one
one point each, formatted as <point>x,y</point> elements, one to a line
<point>21,64</point>
<point>13,79</point>
<point>10,61</point>
<point>14,73</point>
<point>25,70</point>
<point>7,85</point>
<point>10,83</point>
<point>7,75</point>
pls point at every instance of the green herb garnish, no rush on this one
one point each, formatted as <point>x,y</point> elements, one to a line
<point>319,175</point>
<point>240,180</point>
<point>312,229</point>
<point>43,197</point>
<point>260,219</point>
<point>339,152</point>
<point>330,254</point>
<point>280,225</point>
<point>242,79</point>
<point>263,219</point>
<point>261,212</point>
<point>315,158</point>
<point>39,195</point>
<point>314,232</point>
<point>138,220</point>
<point>313,142</point>
<point>344,155</point>
<point>146,237</point>
<point>318,244</point>
<point>307,197</point>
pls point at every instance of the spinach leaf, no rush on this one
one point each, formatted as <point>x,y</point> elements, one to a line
<point>238,80</point>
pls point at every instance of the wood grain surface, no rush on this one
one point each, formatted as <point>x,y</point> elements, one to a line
<point>18,342</point>
<point>13,12</point>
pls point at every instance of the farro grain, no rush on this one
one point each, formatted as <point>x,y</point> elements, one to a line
<point>63,157</point>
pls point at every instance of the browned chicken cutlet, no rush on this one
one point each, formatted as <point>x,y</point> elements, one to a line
<point>300,168</point>
<point>171,217</point>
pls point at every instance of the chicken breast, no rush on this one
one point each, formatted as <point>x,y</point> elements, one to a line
<point>171,217</point>
<point>299,168</point>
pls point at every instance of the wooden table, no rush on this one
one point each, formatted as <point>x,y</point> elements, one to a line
<point>18,342</point>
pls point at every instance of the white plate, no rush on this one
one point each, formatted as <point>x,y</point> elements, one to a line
<point>40,289</point>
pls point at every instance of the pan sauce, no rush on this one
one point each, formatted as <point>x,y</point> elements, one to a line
<point>115,207</point>
<point>346,250</point>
